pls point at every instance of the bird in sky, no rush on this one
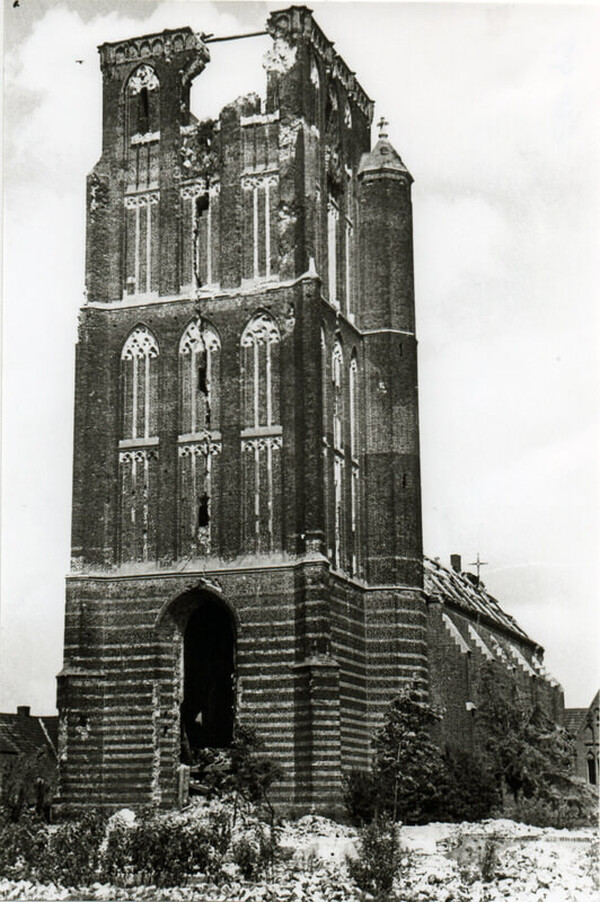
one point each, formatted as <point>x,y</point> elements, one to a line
<point>79,61</point>
<point>16,3</point>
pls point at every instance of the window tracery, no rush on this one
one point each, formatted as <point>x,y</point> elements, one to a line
<point>355,465</point>
<point>337,363</point>
<point>262,434</point>
<point>200,441</point>
<point>138,454</point>
<point>139,384</point>
<point>199,358</point>
<point>260,200</point>
<point>260,363</point>
<point>141,220</point>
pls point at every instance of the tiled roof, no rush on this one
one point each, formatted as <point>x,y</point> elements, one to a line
<point>574,718</point>
<point>22,733</point>
<point>463,591</point>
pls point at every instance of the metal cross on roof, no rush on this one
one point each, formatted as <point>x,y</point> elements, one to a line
<point>382,126</point>
<point>479,564</point>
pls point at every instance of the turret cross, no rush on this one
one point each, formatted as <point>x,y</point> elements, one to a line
<point>382,126</point>
<point>479,564</point>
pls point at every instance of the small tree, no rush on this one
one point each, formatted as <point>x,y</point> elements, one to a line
<point>253,771</point>
<point>531,755</point>
<point>409,768</point>
<point>377,862</point>
<point>472,792</point>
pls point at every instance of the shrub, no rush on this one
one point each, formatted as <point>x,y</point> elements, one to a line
<point>532,755</point>
<point>552,810</point>
<point>165,852</point>
<point>117,856</point>
<point>377,863</point>
<point>21,844</point>
<point>72,853</point>
<point>246,856</point>
<point>472,791</point>
<point>489,859</point>
<point>253,771</point>
<point>30,782</point>
<point>360,796</point>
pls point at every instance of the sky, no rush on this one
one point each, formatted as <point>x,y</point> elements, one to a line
<point>494,109</point>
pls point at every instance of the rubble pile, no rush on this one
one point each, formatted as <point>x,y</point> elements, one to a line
<point>479,862</point>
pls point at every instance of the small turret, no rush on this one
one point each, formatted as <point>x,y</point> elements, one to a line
<point>386,251</point>
<point>386,314</point>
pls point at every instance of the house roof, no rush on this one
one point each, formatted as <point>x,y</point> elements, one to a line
<point>467,593</point>
<point>574,719</point>
<point>23,733</point>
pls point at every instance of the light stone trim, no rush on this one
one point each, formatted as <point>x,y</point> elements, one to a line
<point>144,77</point>
<point>259,180</point>
<point>455,634</point>
<point>138,455</point>
<point>260,118</point>
<point>147,138</point>
<point>199,337</point>
<point>262,443</point>
<point>134,201</point>
<point>202,447</point>
<point>199,188</point>
<point>478,640</point>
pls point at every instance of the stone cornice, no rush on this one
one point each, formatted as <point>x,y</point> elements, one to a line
<point>158,46</point>
<point>297,22</point>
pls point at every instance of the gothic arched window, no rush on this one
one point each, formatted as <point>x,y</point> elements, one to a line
<point>314,95</point>
<point>138,454</point>
<point>140,383</point>
<point>354,462</point>
<point>337,365</point>
<point>199,365</point>
<point>142,123</point>
<point>260,372</point>
<point>261,435</point>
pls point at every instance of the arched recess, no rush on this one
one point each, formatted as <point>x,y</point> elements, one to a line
<point>592,770</point>
<point>204,630</point>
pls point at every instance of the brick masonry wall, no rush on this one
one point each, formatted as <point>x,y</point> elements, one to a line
<point>461,649</point>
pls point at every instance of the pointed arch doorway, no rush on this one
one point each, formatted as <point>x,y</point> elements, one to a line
<point>208,705</point>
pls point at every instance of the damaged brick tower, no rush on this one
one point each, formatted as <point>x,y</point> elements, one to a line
<point>246,516</point>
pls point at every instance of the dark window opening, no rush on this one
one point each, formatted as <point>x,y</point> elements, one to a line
<point>207,710</point>
<point>201,205</point>
<point>143,111</point>
<point>404,480</point>
<point>199,237</point>
<point>202,383</point>
<point>592,776</point>
<point>203,511</point>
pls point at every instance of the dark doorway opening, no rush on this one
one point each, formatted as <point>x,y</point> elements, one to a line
<point>207,710</point>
